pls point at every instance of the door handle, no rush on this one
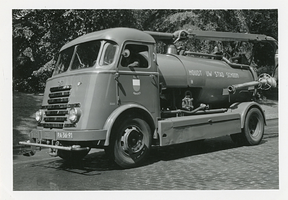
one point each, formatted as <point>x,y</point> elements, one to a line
<point>154,79</point>
<point>116,76</point>
<point>152,76</point>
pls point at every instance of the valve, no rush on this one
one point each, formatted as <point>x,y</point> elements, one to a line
<point>187,101</point>
<point>266,82</point>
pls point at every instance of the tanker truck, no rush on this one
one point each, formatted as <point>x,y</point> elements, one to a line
<point>111,90</point>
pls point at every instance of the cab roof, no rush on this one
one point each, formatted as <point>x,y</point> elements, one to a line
<point>118,35</point>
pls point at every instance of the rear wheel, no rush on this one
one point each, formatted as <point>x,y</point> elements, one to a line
<point>253,130</point>
<point>130,142</point>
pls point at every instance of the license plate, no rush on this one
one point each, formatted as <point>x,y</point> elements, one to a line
<point>64,135</point>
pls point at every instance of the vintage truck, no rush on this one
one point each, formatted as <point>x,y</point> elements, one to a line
<point>110,89</point>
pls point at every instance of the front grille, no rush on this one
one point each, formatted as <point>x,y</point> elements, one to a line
<point>56,110</point>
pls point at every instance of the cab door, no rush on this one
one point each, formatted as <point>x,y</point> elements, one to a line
<point>138,77</point>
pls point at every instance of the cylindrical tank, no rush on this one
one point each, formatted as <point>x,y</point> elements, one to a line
<point>209,77</point>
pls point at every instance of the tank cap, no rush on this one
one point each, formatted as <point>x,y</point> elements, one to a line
<point>171,49</point>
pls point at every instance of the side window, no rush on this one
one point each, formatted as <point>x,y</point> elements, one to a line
<point>135,55</point>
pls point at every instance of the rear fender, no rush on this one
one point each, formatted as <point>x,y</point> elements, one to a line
<point>118,112</point>
<point>243,108</point>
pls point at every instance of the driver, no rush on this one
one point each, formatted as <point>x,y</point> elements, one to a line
<point>132,61</point>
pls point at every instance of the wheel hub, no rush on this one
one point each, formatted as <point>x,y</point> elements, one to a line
<point>132,140</point>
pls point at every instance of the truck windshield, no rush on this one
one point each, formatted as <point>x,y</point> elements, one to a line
<point>84,55</point>
<point>64,60</point>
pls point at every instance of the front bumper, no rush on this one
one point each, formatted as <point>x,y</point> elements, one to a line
<point>64,135</point>
<point>50,138</point>
<point>68,148</point>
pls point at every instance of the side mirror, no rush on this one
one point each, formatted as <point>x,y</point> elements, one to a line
<point>126,53</point>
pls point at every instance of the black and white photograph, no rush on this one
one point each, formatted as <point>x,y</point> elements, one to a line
<point>143,103</point>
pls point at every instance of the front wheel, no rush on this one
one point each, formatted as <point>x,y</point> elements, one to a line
<point>130,142</point>
<point>253,130</point>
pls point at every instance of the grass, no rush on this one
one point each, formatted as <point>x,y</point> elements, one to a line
<point>24,109</point>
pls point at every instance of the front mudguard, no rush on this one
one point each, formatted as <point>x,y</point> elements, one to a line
<point>124,109</point>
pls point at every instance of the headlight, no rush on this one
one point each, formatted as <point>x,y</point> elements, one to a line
<point>39,115</point>
<point>74,115</point>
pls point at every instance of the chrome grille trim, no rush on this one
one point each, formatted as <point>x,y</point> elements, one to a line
<point>60,100</point>
<point>56,112</point>
<point>59,94</point>
<point>69,125</point>
<point>61,106</point>
<point>60,126</point>
<point>55,119</point>
<point>60,88</point>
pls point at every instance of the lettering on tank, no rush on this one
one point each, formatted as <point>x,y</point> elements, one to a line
<point>195,72</point>
<point>232,75</point>
<point>219,74</point>
<point>209,73</point>
<point>216,74</point>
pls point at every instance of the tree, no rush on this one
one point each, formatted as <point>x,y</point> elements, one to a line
<point>39,34</point>
<point>263,21</point>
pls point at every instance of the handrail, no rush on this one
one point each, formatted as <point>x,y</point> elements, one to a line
<point>203,54</point>
<point>235,65</point>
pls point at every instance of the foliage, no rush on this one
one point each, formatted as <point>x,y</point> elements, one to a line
<point>39,34</point>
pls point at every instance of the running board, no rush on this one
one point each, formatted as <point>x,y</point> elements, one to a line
<point>178,130</point>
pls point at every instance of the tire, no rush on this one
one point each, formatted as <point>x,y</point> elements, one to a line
<point>253,130</point>
<point>130,142</point>
<point>72,155</point>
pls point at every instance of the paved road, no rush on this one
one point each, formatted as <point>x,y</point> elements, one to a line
<point>216,164</point>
